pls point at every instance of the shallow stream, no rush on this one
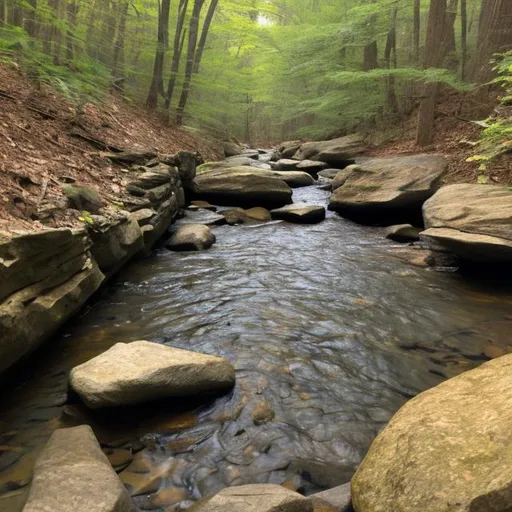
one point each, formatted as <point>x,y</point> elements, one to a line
<point>330,334</point>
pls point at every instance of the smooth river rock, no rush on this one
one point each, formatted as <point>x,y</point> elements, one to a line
<point>239,186</point>
<point>72,474</point>
<point>285,164</point>
<point>448,449</point>
<point>339,497</point>
<point>192,237</point>
<point>255,498</point>
<point>132,373</point>
<point>311,166</point>
<point>341,151</point>
<point>403,233</point>
<point>472,221</point>
<point>300,213</point>
<point>384,190</point>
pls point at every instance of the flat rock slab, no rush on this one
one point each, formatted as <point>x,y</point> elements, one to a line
<point>192,237</point>
<point>255,498</point>
<point>300,213</point>
<point>242,186</point>
<point>72,474</point>
<point>448,449</point>
<point>285,164</point>
<point>384,190</point>
<point>334,152</point>
<point>472,221</point>
<point>311,166</point>
<point>132,373</point>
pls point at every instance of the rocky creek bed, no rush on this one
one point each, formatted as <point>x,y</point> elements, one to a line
<point>329,331</point>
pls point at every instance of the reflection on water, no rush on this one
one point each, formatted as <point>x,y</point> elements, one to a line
<point>329,335</point>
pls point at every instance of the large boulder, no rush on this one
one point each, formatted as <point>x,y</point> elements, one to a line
<point>300,213</point>
<point>403,233</point>
<point>285,164</point>
<point>72,474</point>
<point>339,497</point>
<point>289,148</point>
<point>192,237</point>
<point>472,221</point>
<point>335,152</point>
<point>132,373</point>
<point>311,166</point>
<point>448,449</point>
<point>255,498</point>
<point>386,190</point>
<point>241,186</point>
<point>232,149</point>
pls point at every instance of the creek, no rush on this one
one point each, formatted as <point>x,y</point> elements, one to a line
<point>329,332</point>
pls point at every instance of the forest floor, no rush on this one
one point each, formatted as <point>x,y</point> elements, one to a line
<point>43,142</point>
<point>454,135</point>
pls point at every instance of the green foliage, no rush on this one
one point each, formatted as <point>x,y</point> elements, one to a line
<point>496,138</point>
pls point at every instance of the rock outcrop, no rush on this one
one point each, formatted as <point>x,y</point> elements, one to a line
<point>448,449</point>
<point>45,278</point>
<point>300,213</point>
<point>255,498</point>
<point>72,474</point>
<point>472,221</point>
<point>336,152</point>
<point>191,237</point>
<point>132,373</point>
<point>386,190</point>
<point>240,186</point>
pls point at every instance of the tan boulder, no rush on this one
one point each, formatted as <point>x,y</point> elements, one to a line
<point>192,237</point>
<point>300,213</point>
<point>255,498</point>
<point>386,190</point>
<point>448,449</point>
<point>132,373</point>
<point>72,474</point>
<point>335,152</point>
<point>472,221</point>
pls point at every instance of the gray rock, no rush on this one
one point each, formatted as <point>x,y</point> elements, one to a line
<point>472,221</point>
<point>132,373</point>
<point>289,148</point>
<point>72,474</point>
<point>46,278</point>
<point>285,165</point>
<point>255,498</point>
<point>386,190</point>
<point>300,213</point>
<point>240,186</point>
<point>232,149</point>
<point>334,152</point>
<point>191,237</point>
<point>83,198</point>
<point>339,497</point>
<point>342,176</point>
<point>311,167</point>
<point>403,233</point>
<point>328,173</point>
<point>200,216</point>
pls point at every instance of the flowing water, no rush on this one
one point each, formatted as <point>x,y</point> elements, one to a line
<point>330,334</point>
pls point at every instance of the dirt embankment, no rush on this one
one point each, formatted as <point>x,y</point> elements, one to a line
<point>45,142</point>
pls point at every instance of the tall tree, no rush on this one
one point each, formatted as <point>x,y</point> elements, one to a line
<point>118,60</point>
<point>433,58</point>
<point>157,84</point>
<point>204,34</point>
<point>191,50</point>
<point>494,35</point>
<point>416,31</point>
<point>179,35</point>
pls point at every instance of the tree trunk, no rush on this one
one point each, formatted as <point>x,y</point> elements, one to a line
<point>117,75</point>
<point>157,85</point>
<point>72,11</point>
<point>416,31</point>
<point>179,40</point>
<point>204,34</point>
<point>433,58</point>
<point>450,47</point>
<point>55,6</point>
<point>463,38</point>
<point>370,60</point>
<point>91,25</point>
<point>191,49</point>
<point>390,58</point>
<point>494,35</point>
<point>107,32</point>
<point>30,20</point>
